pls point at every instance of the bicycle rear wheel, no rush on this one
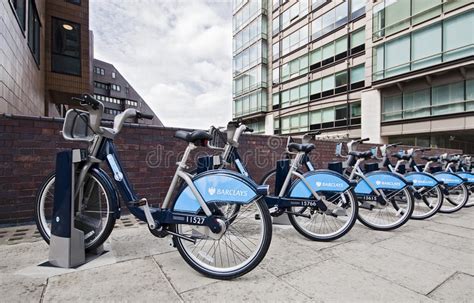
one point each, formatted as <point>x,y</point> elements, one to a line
<point>394,214</point>
<point>95,218</point>
<point>237,251</point>
<point>455,199</point>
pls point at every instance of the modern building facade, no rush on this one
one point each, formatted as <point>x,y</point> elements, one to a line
<point>389,70</point>
<point>46,58</point>
<point>45,55</point>
<point>117,94</point>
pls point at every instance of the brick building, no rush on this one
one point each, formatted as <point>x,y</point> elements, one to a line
<point>46,57</point>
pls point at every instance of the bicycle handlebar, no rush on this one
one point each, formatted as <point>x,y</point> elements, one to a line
<point>140,115</point>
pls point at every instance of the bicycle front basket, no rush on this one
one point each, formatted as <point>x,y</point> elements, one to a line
<point>76,126</point>
<point>218,140</point>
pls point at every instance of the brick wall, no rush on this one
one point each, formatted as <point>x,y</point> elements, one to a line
<point>28,146</point>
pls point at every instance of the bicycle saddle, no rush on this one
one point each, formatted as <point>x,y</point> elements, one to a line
<point>193,136</point>
<point>365,154</point>
<point>305,147</point>
<point>430,158</point>
<point>401,156</point>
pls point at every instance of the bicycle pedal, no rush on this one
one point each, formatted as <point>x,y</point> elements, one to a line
<point>146,209</point>
<point>273,210</point>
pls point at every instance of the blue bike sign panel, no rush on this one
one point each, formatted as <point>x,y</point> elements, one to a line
<point>468,176</point>
<point>420,179</point>
<point>319,181</point>
<point>217,187</point>
<point>379,180</point>
<point>449,179</point>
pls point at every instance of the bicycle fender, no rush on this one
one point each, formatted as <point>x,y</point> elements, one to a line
<point>217,186</point>
<point>319,180</point>
<point>114,203</point>
<point>422,179</point>
<point>466,175</point>
<point>380,180</point>
<point>448,178</point>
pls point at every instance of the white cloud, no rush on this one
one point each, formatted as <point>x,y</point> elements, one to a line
<point>176,54</point>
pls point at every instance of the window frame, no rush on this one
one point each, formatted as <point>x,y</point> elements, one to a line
<point>79,29</point>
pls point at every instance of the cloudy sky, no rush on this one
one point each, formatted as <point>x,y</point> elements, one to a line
<point>175,53</point>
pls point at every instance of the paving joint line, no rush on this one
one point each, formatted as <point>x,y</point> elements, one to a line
<point>440,284</point>
<point>286,283</point>
<point>44,290</point>
<point>381,277</point>
<point>167,278</point>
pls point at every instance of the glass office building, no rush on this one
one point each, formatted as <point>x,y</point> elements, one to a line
<point>387,70</point>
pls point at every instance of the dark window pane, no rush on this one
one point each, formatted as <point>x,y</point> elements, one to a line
<point>34,27</point>
<point>66,47</point>
<point>77,2</point>
<point>19,7</point>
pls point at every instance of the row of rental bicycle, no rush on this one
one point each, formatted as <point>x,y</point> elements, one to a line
<point>220,218</point>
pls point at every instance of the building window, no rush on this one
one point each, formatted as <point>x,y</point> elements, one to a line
<point>115,87</point>
<point>99,71</point>
<point>416,104</point>
<point>101,85</point>
<point>249,104</point>
<point>355,113</point>
<point>357,8</point>
<point>391,16</point>
<point>76,2</point>
<point>294,123</point>
<point>330,21</point>
<point>34,28</point>
<point>441,42</point>
<point>392,108</point>
<point>357,76</point>
<point>294,68</point>
<point>66,47</point>
<point>448,98</point>
<point>19,9</point>
<point>358,41</point>
<point>113,75</point>
<point>294,41</point>
<point>445,99</point>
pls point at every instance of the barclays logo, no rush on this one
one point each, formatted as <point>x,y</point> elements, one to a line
<point>329,184</point>
<point>429,182</point>
<point>387,183</point>
<point>227,192</point>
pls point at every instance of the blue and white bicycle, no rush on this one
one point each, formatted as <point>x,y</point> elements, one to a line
<point>215,242</point>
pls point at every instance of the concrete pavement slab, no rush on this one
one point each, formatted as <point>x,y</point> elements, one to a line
<point>135,280</point>
<point>415,274</point>
<point>458,288</point>
<point>337,281</point>
<point>423,250</point>
<point>452,230</point>
<point>460,220</point>
<point>179,273</point>
<point>443,239</point>
<point>19,256</point>
<point>286,255</point>
<point>257,286</point>
<point>14,288</point>
<point>137,242</point>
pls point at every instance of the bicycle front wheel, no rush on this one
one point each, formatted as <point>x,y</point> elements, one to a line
<point>94,216</point>
<point>431,200</point>
<point>455,199</point>
<point>234,253</point>
<point>394,214</point>
<point>470,201</point>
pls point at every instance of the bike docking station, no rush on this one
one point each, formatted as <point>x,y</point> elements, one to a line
<point>66,247</point>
